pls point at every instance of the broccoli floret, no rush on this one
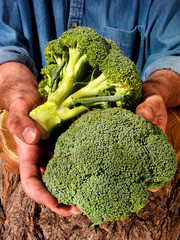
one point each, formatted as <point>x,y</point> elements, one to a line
<point>84,71</point>
<point>106,161</point>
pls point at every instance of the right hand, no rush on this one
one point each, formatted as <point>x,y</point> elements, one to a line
<point>32,163</point>
<point>18,90</point>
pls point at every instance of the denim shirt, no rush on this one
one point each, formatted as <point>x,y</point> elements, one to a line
<point>147,31</point>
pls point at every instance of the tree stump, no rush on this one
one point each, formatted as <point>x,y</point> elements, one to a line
<point>23,219</point>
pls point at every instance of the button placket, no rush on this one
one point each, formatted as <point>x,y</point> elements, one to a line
<point>76,13</point>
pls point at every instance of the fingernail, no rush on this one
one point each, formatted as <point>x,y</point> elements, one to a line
<point>29,135</point>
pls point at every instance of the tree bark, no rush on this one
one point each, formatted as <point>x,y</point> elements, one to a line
<point>23,219</point>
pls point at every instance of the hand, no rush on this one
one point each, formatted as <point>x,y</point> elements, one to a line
<point>18,91</point>
<point>153,109</point>
<point>32,161</point>
<point>33,156</point>
<point>161,91</point>
<point>155,96</point>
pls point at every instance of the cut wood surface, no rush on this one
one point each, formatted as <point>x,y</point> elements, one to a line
<point>23,219</point>
<point>7,145</point>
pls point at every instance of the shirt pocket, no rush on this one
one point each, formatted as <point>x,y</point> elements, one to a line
<point>127,41</point>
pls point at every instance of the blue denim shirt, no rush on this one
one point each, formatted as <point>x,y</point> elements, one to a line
<point>147,31</point>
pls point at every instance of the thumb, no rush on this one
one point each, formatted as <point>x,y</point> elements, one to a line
<point>19,123</point>
<point>153,109</point>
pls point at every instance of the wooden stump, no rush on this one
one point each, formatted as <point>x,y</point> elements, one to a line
<point>23,219</point>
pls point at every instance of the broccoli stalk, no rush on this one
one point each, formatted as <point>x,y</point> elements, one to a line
<point>88,95</point>
<point>83,71</point>
<point>75,65</point>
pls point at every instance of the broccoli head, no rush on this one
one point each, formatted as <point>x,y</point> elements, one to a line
<point>106,161</point>
<point>84,71</point>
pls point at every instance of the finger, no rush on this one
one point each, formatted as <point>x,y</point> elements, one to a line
<point>66,210</point>
<point>35,189</point>
<point>23,127</point>
<point>153,109</point>
<point>31,183</point>
<point>154,190</point>
<point>19,124</point>
<point>150,107</point>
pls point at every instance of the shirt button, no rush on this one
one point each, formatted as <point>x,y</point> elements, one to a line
<point>74,24</point>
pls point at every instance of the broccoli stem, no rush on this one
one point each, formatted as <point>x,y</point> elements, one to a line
<point>58,60</point>
<point>46,118</point>
<point>91,89</point>
<point>66,85</point>
<point>67,114</point>
<point>56,73</point>
<point>90,100</point>
<point>57,110</point>
<point>54,81</point>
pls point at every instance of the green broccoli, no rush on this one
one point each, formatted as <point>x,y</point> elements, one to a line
<point>84,71</point>
<point>106,161</point>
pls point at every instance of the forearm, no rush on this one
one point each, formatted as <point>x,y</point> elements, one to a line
<point>16,81</point>
<point>165,83</point>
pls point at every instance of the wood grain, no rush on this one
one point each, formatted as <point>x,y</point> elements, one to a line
<point>7,145</point>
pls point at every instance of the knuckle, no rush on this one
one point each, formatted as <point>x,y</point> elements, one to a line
<point>13,122</point>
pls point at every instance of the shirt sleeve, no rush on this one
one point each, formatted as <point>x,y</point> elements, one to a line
<point>13,44</point>
<point>162,38</point>
<point>169,62</point>
<point>17,54</point>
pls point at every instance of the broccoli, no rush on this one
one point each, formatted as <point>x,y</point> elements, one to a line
<point>106,161</point>
<point>84,71</point>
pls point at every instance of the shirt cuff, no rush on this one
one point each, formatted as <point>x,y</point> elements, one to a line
<point>17,54</point>
<point>169,62</point>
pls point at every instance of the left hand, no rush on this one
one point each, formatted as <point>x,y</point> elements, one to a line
<point>161,91</point>
<point>153,109</point>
